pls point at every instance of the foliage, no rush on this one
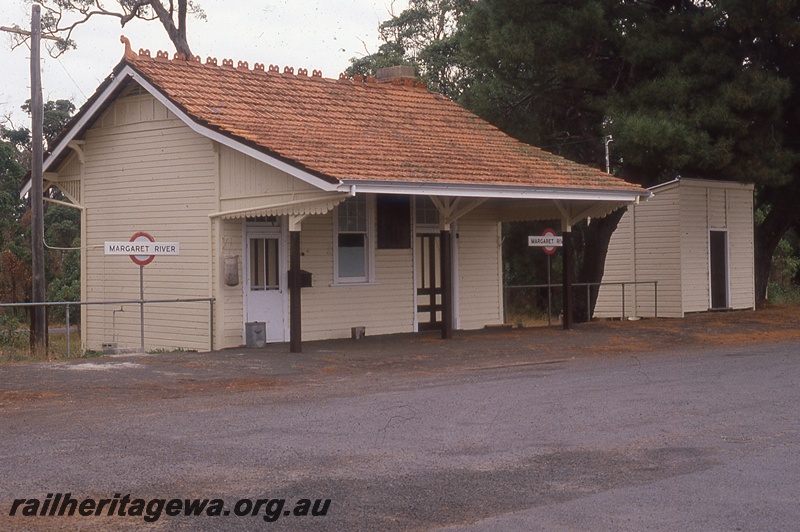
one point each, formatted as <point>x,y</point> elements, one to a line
<point>56,115</point>
<point>423,36</point>
<point>63,265</point>
<point>540,69</point>
<point>62,224</point>
<point>786,261</point>
<point>61,17</point>
<point>702,89</point>
<point>11,336</point>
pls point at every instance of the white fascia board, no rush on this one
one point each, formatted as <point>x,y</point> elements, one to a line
<point>128,72</point>
<point>665,186</point>
<point>496,191</point>
<point>715,183</point>
<point>701,183</point>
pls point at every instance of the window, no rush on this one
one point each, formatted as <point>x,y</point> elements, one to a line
<point>264,256</point>
<point>427,214</point>
<point>353,240</point>
<point>394,221</point>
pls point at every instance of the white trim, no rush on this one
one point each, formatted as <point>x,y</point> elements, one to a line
<point>369,251</point>
<point>256,230</point>
<point>706,183</point>
<point>491,191</point>
<point>727,268</point>
<point>128,72</point>
<point>248,210</point>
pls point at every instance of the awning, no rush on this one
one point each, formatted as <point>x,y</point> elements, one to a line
<point>303,207</point>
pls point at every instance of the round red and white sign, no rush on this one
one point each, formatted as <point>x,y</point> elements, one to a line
<point>142,260</point>
<point>549,249</point>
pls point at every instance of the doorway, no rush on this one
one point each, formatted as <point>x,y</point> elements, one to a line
<point>718,266</point>
<point>265,280</point>
<point>429,281</point>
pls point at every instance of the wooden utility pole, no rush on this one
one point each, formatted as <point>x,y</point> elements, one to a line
<point>37,204</point>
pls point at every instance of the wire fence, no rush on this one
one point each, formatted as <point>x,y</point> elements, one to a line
<point>538,299</point>
<point>69,306</point>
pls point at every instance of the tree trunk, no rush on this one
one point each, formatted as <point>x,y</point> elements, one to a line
<point>596,238</point>
<point>177,34</point>
<point>783,214</point>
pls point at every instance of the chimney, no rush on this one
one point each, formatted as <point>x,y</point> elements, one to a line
<point>401,72</point>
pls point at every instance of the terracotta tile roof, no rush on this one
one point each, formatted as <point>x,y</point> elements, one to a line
<point>358,129</point>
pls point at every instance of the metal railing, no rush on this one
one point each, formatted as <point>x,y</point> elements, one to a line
<point>588,286</point>
<point>140,302</point>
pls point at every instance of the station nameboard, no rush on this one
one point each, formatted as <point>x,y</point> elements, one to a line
<point>548,240</point>
<point>142,248</point>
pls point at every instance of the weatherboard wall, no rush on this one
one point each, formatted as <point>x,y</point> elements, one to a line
<point>619,267</point>
<point>666,239</point>
<point>480,269</point>
<point>742,248</point>
<point>146,171</point>
<point>707,205</point>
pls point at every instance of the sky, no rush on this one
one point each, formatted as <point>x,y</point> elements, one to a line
<point>312,34</point>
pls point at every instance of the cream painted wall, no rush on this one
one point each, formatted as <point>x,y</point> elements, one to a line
<point>666,239</point>
<point>147,171</point>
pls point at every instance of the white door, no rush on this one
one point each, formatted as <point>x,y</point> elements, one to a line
<point>265,286</point>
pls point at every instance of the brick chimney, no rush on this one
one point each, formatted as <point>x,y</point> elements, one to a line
<point>388,74</point>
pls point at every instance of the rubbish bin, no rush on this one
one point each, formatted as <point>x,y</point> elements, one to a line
<point>255,334</point>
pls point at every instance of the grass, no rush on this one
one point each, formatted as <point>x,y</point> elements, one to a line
<point>780,294</point>
<point>16,348</point>
<point>534,319</point>
<point>162,351</point>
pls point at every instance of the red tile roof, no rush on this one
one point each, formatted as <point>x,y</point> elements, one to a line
<point>358,129</point>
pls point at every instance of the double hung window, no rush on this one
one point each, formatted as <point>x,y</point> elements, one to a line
<point>353,245</point>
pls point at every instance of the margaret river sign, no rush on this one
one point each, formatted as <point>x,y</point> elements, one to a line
<point>142,248</point>
<point>549,241</point>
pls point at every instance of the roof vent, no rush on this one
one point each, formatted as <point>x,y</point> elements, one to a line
<point>387,74</point>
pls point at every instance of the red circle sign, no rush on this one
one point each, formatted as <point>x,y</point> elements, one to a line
<point>549,249</point>
<point>142,260</point>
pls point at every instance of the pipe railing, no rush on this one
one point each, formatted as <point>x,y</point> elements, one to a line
<point>588,286</point>
<point>142,302</point>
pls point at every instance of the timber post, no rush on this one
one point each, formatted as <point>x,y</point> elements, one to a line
<point>566,257</point>
<point>445,244</point>
<point>295,322</point>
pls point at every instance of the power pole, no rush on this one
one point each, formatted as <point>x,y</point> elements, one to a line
<point>39,322</point>
<point>37,202</point>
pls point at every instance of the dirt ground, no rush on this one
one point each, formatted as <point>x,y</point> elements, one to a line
<point>776,323</point>
<point>661,424</point>
<point>423,354</point>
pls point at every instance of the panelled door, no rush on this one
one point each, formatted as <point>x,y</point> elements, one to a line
<point>429,282</point>
<point>265,287</point>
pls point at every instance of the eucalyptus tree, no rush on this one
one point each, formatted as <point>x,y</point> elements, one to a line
<point>61,17</point>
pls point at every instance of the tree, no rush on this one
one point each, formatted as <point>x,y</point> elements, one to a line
<point>712,91</point>
<point>14,253</point>
<point>541,72</point>
<point>61,17</point>
<point>56,115</point>
<point>422,36</point>
<point>705,89</point>
<point>62,223</point>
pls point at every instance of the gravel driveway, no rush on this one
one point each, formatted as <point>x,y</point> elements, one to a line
<point>658,424</point>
